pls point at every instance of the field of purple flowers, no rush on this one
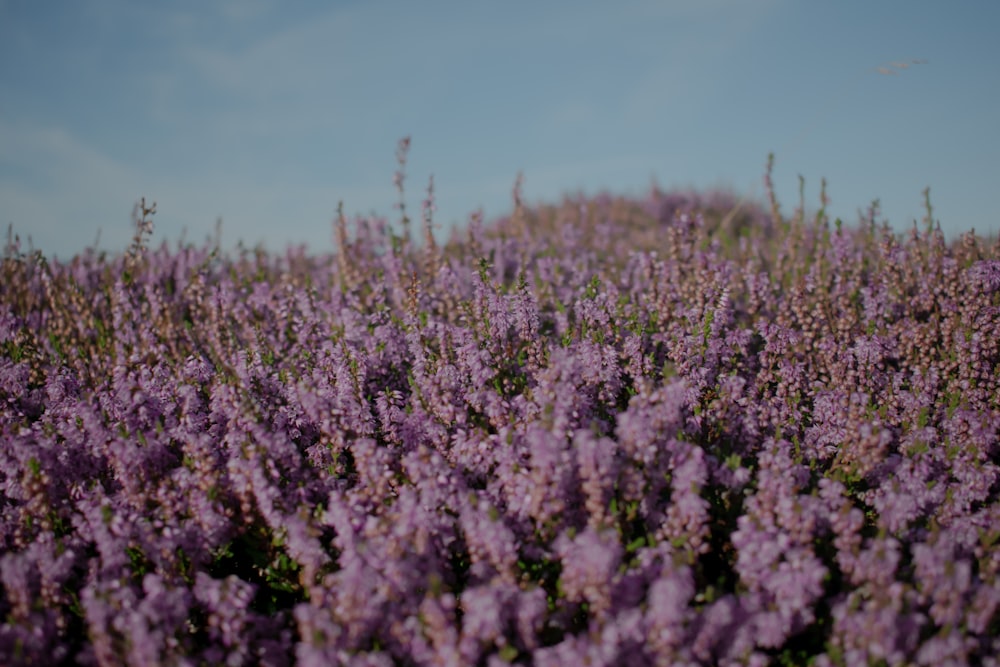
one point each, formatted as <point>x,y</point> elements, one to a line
<point>608,432</point>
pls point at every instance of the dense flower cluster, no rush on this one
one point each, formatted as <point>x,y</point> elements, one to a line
<point>611,432</point>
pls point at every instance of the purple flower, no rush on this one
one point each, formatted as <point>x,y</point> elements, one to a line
<point>589,562</point>
<point>986,274</point>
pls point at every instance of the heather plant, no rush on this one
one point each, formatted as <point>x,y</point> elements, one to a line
<point>680,429</point>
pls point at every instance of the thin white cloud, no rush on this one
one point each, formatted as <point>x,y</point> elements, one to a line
<point>96,194</point>
<point>53,154</point>
<point>303,57</point>
<point>294,78</point>
<point>51,160</point>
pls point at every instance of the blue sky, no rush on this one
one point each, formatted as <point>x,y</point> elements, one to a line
<point>268,113</point>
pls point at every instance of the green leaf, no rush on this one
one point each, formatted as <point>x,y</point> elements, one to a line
<point>635,544</point>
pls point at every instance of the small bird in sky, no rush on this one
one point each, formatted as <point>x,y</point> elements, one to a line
<point>893,68</point>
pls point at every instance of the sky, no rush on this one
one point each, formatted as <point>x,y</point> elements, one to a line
<point>267,114</point>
